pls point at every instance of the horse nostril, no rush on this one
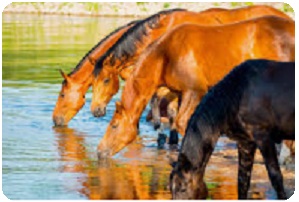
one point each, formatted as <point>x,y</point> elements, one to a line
<point>103,154</point>
<point>58,121</point>
<point>156,125</point>
<point>98,112</point>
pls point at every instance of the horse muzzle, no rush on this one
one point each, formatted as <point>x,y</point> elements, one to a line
<point>99,112</point>
<point>59,121</point>
<point>104,154</point>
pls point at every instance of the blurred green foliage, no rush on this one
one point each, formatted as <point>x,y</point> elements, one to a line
<point>166,5</point>
<point>287,8</point>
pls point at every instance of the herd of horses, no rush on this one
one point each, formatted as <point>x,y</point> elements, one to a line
<point>219,71</point>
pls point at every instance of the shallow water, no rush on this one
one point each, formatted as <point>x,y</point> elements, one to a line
<point>42,162</point>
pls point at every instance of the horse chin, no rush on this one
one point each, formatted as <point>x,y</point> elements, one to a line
<point>99,112</point>
<point>105,151</point>
<point>104,154</point>
<point>59,121</point>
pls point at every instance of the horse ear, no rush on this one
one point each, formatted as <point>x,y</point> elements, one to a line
<point>64,75</point>
<point>119,107</point>
<point>92,60</point>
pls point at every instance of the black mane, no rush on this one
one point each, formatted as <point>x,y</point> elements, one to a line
<point>125,47</point>
<point>79,65</point>
<point>220,105</point>
<point>223,100</point>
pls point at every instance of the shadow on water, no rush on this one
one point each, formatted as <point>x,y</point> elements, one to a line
<point>42,162</point>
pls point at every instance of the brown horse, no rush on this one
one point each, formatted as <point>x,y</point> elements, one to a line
<point>124,53</point>
<point>208,54</point>
<point>75,85</point>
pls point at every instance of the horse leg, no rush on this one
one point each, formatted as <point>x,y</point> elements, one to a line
<point>190,100</point>
<point>246,153</point>
<point>156,117</point>
<point>268,150</point>
<point>172,110</point>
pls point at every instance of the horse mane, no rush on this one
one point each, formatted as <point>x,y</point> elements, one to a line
<point>79,65</point>
<point>219,106</point>
<point>126,46</point>
<point>222,102</point>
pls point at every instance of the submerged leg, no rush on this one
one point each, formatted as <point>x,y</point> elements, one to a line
<point>268,150</point>
<point>172,111</point>
<point>156,116</point>
<point>246,153</point>
<point>190,100</point>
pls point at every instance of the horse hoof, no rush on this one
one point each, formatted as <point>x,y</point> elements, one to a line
<point>161,140</point>
<point>173,137</point>
<point>174,147</point>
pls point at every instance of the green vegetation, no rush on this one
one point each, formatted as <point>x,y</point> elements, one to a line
<point>142,6</point>
<point>137,8</point>
<point>166,5</point>
<point>236,4</point>
<point>93,7</point>
<point>115,8</point>
<point>287,8</point>
<point>141,3</point>
<point>248,3</point>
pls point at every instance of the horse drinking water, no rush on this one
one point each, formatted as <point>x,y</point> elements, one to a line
<point>75,85</point>
<point>254,105</point>
<point>208,54</point>
<point>121,57</point>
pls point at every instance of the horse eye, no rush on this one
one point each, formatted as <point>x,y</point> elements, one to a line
<point>62,95</point>
<point>106,81</point>
<point>83,96</point>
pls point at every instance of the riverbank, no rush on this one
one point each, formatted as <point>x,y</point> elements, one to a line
<point>126,9</point>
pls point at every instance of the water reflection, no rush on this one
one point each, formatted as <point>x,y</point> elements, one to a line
<point>35,47</point>
<point>139,173</point>
<point>41,162</point>
<point>113,178</point>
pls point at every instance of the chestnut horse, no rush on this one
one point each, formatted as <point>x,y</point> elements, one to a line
<point>119,59</point>
<point>208,54</point>
<point>75,85</point>
<point>254,105</point>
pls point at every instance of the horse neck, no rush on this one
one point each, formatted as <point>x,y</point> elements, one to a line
<point>220,106</point>
<point>84,73</point>
<point>108,43</point>
<point>198,142</point>
<point>152,34</point>
<point>126,72</point>
<point>140,87</point>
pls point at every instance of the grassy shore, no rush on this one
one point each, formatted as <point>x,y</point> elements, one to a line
<point>125,8</point>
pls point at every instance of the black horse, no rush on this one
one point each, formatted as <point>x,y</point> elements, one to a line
<point>254,105</point>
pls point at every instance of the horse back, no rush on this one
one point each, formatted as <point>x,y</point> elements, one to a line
<point>269,101</point>
<point>278,33</point>
<point>255,11</point>
<point>218,16</point>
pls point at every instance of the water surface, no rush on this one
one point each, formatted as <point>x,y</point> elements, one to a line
<point>42,162</point>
